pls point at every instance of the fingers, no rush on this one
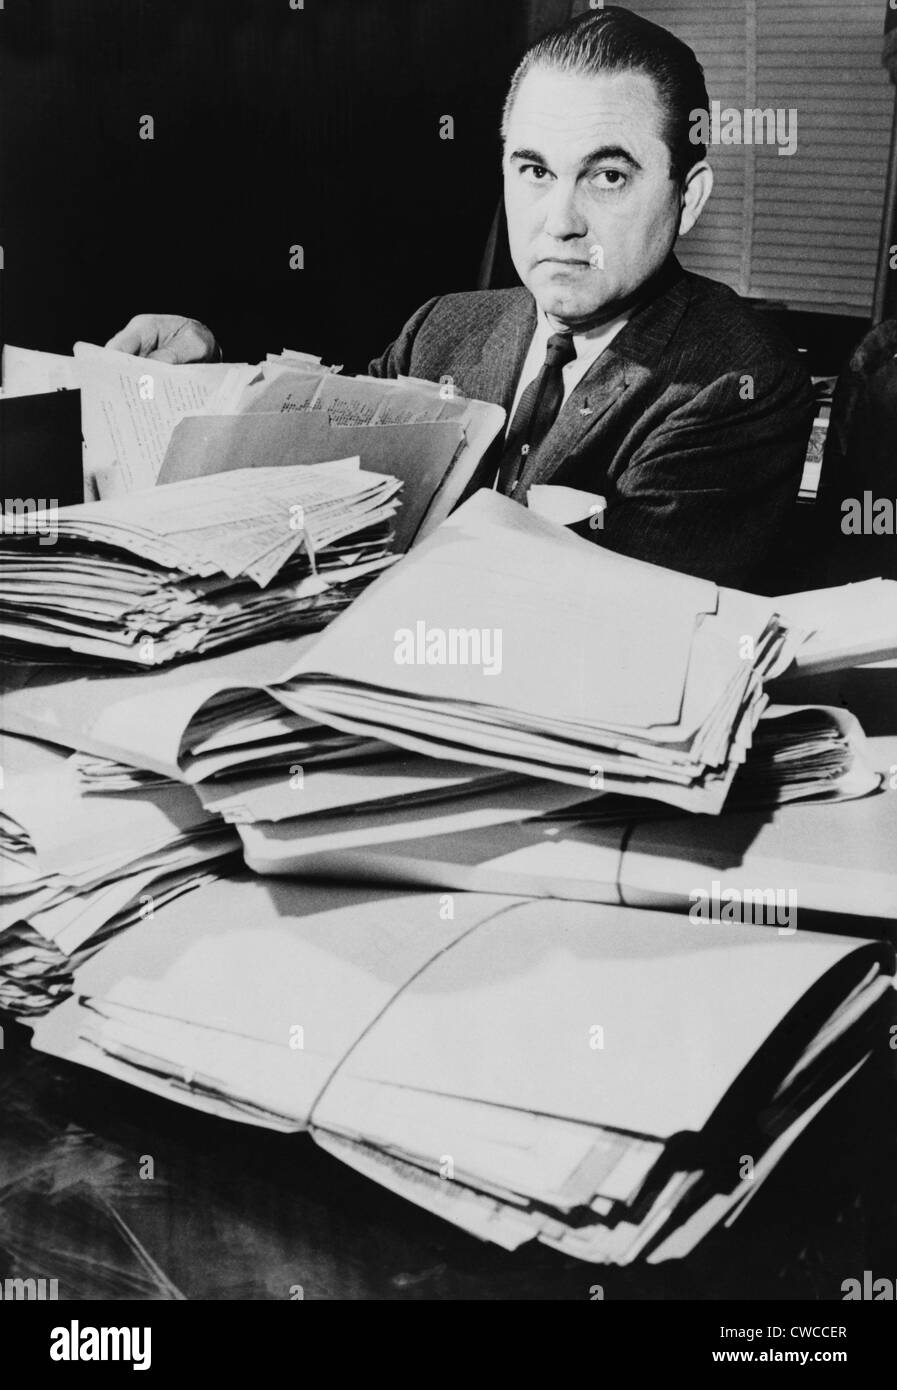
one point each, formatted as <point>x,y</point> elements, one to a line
<point>138,337</point>
<point>166,338</point>
<point>189,341</point>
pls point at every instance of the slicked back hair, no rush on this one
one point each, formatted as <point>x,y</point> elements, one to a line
<point>615,40</point>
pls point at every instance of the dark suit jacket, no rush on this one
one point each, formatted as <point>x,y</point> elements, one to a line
<point>693,423</point>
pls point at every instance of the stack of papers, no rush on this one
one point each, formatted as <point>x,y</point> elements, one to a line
<point>829,864</point>
<point>428,434</point>
<point>214,721</point>
<point>509,711</point>
<point>186,721</point>
<point>196,565</point>
<point>799,753</point>
<point>591,1079</point>
<point>661,705</point>
<point>78,868</point>
<point>145,421</point>
<point>506,640</point>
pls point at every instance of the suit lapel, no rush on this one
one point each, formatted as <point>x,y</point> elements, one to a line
<point>496,363</point>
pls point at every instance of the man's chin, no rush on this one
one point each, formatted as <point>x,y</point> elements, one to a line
<point>568,308</point>
<point>557,293</point>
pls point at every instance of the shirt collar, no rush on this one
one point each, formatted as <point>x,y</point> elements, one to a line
<point>588,344</point>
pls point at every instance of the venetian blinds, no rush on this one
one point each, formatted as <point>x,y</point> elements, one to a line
<point>803,228</point>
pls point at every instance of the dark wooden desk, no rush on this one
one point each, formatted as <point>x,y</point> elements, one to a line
<point>239,1213</point>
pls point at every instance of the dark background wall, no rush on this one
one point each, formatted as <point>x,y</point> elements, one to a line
<point>273,127</point>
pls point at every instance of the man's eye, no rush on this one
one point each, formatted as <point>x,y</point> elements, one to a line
<point>533,173</point>
<point>610,178</point>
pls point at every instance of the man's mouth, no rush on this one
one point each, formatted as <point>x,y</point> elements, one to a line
<point>568,264</point>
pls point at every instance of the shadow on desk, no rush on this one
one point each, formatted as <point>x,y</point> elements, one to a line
<point>237,1213</point>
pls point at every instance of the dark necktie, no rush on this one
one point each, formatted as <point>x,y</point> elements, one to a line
<point>537,411</point>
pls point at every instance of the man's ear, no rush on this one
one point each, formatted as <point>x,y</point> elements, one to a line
<point>697,189</point>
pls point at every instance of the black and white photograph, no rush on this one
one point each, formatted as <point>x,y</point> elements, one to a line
<point>448,705</point>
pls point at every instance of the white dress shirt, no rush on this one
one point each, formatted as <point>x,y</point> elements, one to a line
<point>589,347</point>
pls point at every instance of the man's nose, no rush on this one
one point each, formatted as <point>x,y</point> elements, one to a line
<point>564,218</point>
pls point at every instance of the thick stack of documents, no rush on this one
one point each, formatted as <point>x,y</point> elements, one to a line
<point>76,868</point>
<point>196,565</point>
<point>504,639</point>
<point>799,753</point>
<point>590,1078</point>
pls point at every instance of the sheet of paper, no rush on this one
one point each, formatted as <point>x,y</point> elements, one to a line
<point>397,844</point>
<point>27,372</point>
<point>487,843</point>
<point>846,626</point>
<point>707,1000</point>
<point>385,780</point>
<point>564,505</point>
<point>836,858</point>
<point>130,406</point>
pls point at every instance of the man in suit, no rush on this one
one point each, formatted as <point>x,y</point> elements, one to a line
<point>624,377</point>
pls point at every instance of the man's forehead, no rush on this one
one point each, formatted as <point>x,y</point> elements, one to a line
<point>573,113</point>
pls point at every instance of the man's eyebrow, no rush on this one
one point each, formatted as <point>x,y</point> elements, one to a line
<point>609,152</point>
<point>596,157</point>
<point>531,157</point>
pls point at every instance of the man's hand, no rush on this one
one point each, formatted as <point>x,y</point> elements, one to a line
<point>167,338</point>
